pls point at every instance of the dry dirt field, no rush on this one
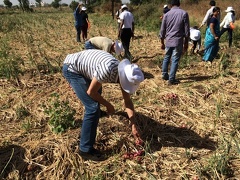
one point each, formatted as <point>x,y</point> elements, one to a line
<point>191,130</point>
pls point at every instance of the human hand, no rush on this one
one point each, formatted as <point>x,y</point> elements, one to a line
<point>136,135</point>
<point>163,46</point>
<point>110,109</point>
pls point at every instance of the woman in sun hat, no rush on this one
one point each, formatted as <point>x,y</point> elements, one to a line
<point>226,24</point>
<point>104,43</point>
<point>86,71</point>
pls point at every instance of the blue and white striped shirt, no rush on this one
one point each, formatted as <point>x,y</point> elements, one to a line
<point>94,63</point>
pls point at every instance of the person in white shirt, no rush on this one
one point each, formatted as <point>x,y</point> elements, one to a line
<point>209,14</point>
<point>195,38</point>
<point>225,24</point>
<point>126,31</point>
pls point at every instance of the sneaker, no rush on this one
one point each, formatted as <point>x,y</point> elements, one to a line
<point>93,155</point>
<point>175,82</point>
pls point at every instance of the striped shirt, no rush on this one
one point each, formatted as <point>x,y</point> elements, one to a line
<point>94,63</point>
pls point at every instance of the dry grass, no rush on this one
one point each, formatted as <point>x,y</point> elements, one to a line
<point>191,131</point>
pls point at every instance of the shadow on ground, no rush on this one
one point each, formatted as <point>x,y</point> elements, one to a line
<point>162,135</point>
<point>196,77</point>
<point>12,158</point>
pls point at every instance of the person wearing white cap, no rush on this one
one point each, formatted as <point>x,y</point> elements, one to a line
<point>165,10</point>
<point>126,30</point>
<point>226,24</point>
<point>84,23</point>
<point>86,71</point>
<point>195,37</point>
<point>104,43</point>
<point>78,21</point>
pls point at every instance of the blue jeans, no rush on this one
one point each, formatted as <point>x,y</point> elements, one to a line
<point>88,45</point>
<point>80,86</point>
<point>174,54</point>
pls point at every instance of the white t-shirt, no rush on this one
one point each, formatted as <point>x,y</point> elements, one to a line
<point>227,19</point>
<point>128,19</point>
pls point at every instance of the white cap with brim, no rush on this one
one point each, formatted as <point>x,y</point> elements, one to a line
<point>165,6</point>
<point>195,34</point>
<point>84,8</point>
<point>124,6</point>
<point>118,47</point>
<point>130,76</point>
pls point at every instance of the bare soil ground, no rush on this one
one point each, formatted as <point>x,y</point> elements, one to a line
<point>189,129</point>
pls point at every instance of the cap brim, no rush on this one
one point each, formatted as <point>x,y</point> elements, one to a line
<point>125,84</point>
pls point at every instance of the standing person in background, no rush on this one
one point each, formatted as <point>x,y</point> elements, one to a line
<point>165,10</point>
<point>209,14</point>
<point>126,31</point>
<point>86,71</point>
<point>78,20</point>
<point>105,44</point>
<point>195,37</point>
<point>211,43</point>
<point>119,11</point>
<point>175,29</point>
<point>84,24</point>
<point>226,24</point>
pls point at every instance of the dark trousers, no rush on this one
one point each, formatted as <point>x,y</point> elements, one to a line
<point>126,34</point>
<point>78,33</point>
<point>84,29</point>
<point>229,35</point>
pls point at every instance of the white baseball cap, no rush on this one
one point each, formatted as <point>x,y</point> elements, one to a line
<point>165,6</point>
<point>124,6</point>
<point>130,76</point>
<point>84,8</point>
<point>118,47</point>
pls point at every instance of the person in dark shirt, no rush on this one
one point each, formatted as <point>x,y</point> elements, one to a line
<point>175,31</point>
<point>78,21</point>
<point>85,22</point>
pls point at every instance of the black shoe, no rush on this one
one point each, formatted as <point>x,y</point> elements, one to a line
<point>93,155</point>
<point>175,82</point>
<point>165,78</point>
